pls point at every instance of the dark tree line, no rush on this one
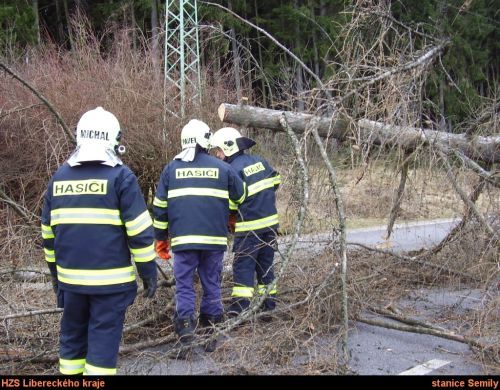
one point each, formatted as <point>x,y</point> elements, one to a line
<point>309,28</point>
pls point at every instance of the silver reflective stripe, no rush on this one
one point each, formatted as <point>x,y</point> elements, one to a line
<point>138,225</point>
<point>85,216</point>
<point>50,255</point>
<point>257,224</point>
<point>143,254</point>
<point>71,366</point>
<point>260,185</point>
<point>160,203</point>
<point>198,240</point>
<point>94,370</point>
<point>47,232</point>
<point>95,277</point>
<point>160,225</point>
<point>242,292</point>
<point>194,191</point>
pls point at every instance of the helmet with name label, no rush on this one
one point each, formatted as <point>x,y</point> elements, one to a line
<point>195,132</point>
<point>230,141</point>
<point>97,136</point>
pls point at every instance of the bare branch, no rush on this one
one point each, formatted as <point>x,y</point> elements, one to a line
<point>10,112</point>
<point>69,134</point>
<point>429,331</point>
<point>476,191</point>
<point>31,313</point>
<point>398,197</point>
<point>332,175</point>
<point>20,210</point>
<point>462,194</point>
<point>415,260</point>
<point>275,41</point>
<point>422,60</point>
<point>487,176</point>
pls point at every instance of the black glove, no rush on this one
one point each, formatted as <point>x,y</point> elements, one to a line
<point>55,284</point>
<point>150,285</point>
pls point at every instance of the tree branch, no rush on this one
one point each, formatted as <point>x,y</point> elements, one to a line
<point>343,236</point>
<point>20,210</point>
<point>398,197</point>
<point>415,259</point>
<point>69,134</point>
<point>275,41</point>
<point>462,194</point>
<point>429,331</point>
<point>425,58</point>
<point>476,191</point>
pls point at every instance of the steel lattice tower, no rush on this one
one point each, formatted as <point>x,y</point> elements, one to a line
<point>182,50</point>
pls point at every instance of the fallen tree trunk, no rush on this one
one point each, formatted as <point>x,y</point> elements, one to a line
<point>477,148</point>
<point>265,118</point>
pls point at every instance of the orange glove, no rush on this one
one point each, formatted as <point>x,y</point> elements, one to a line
<point>163,249</point>
<point>231,223</point>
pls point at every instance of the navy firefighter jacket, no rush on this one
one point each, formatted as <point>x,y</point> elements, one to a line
<point>94,219</point>
<point>192,203</point>
<point>258,212</point>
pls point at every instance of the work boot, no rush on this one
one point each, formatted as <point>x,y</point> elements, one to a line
<point>269,303</point>
<point>268,306</point>
<point>207,324</point>
<point>237,306</point>
<point>184,327</point>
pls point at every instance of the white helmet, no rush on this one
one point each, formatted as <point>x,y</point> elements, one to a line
<point>97,136</point>
<point>195,132</point>
<point>230,141</point>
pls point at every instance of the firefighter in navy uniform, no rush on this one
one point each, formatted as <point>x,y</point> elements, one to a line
<point>191,207</point>
<point>255,224</point>
<point>94,220</point>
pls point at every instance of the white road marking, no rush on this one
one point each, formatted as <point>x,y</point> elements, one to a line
<point>426,367</point>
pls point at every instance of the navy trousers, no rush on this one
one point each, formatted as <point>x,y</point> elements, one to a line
<point>209,266</point>
<point>253,256</point>
<point>91,330</point>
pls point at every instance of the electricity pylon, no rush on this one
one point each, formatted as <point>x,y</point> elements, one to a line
<point>182,51</point>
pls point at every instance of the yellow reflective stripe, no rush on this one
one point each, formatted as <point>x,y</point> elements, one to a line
<point>102,277</point>
<point>50,255</point>
<point>142,255</point>
<point>194,191</point>
<point>138,225</point>
<point>160,203</point>
<point>94,370</point>
<point>47,232</point>
<point>198,240</point>
<point>260,185</point>
<point>256,224</point>
<point>233,204</point>
<point>262,289</point>
<point>160,224</point>
<point>71,366</point>
<point>242,292</point>
<point>242,198</point>
<point>85,215</point>
<point>277,179</point>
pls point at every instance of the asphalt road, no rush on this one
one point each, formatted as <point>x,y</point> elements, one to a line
<point>380,351</point>
<point>405,237</point>
<point>374,350</point>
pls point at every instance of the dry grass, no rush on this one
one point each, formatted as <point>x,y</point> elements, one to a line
<point>369,193</point>
<point>302,338</point>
